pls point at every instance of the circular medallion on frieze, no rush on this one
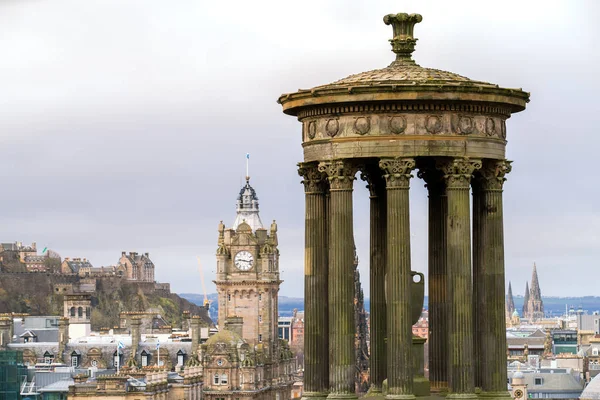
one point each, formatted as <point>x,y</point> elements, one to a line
<point>397,124</point>
<point>490,126</point>
<point>332,127</point>
<point>312,129</point>
<point>433,124</point>
<point>465,125</point>
<point>362,125</point>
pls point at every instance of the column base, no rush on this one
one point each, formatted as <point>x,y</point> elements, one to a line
<point>344,396</point>
<point>504,395</point>
<point>374,391</point>
<point>314,395</point>
<point>462,396</point>
<point>400,397</point>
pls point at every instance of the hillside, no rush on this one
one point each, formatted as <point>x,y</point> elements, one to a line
<point>35,294</point>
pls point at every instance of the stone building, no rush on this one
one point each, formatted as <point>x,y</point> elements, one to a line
<point>246,359</point>
<point>510,304</point>
<point>387,123</point>
<point>136,267</point>
<point>73,265</point>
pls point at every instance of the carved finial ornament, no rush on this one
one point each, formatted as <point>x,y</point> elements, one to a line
<point>458,171</point>
<point>313,180</point>
<point>493,174</point>
<point>403,42</point>
<point>397,171</point>
<point>340,174</point>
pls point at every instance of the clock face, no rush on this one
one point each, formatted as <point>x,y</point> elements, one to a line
<point>518,393</point>
<point>243,260</point>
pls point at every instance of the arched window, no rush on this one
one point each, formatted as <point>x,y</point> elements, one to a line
<point>80,312</point>
<point>88,312</point>
<point>224,379</point>
<point>73,311</point>
<point>216,379</point>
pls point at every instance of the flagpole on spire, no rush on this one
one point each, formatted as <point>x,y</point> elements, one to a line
<point>247,166</point>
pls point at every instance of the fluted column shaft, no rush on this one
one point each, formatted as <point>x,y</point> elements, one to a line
<point>377,256</point>
<point>457,174</point>
<point>340,175</point>
<point>490,304</point>
<point>316,364</point>
<point>398,279</point>
<point>438,276</point>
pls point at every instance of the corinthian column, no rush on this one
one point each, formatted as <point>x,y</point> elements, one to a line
<point>457,175</point>
<point>377,360</point>
<point>398,280</point>
<point>316,346</point>
<point>490,349</point>
<point>438,278</point>
<point>340,174</point>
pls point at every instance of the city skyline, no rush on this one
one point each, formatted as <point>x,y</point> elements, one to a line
<point>132,135</point>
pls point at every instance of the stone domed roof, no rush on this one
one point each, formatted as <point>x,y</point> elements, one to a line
<point>592,390</point>
<point>402,79</point>
<point>404,70</point>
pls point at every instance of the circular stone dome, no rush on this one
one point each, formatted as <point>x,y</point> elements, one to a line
<point>402,78</point>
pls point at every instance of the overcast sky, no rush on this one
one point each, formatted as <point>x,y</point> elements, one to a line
<point>124,124</point>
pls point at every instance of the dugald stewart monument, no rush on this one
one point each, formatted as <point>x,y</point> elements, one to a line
<point>391,124</point>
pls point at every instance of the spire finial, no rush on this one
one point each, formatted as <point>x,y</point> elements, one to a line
<point>247,167</point>
<point>403,42</point>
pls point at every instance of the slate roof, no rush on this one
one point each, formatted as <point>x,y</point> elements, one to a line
<point>58,386</point>
<point>74,265</point>
<point>592,391</point>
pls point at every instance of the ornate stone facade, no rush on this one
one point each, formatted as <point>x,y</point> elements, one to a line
<point>388,123</point>
<point>246,359</point>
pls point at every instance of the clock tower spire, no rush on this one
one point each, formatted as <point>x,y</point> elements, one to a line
<point>248,273</point>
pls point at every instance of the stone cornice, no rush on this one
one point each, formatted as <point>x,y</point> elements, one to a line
<point>513,99</point>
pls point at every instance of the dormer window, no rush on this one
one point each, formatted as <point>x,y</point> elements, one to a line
<point>48,358</point>
<point>145,358</point>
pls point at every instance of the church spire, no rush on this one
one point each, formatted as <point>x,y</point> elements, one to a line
<point>535,305</point>
<point>526,299</point>
<point>510,302</point>
<point>536,293</point>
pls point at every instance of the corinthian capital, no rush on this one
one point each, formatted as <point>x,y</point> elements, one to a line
<point>373,176</point>
<point>493,174</point>
<point>458,171</point>
<point>340,174</point>
<point>397,171</point>
<point>313,180</point>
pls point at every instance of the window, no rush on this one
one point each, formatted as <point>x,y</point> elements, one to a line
<point>116,360</point>
<point>74,361</point>
<point>538,381</point>
<point>73,311</point>
<point>179,359</point>
<point>260,318</point>
<point>260,297</point>
<point>216,379</point>
<point>595,352</point>
<point>80,312</point>
<point>260,337</point>
<point>145,359</point>
<point>228,297</point>
<point>224,379</point>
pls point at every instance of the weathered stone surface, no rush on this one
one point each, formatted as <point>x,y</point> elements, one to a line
<point>399,117</point>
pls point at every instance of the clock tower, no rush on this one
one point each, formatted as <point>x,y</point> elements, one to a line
<point>248,274</point>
